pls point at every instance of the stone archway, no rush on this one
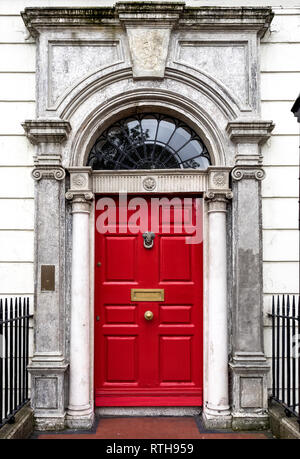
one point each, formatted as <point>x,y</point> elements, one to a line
<point>214,184</point>
<point>69,119</point>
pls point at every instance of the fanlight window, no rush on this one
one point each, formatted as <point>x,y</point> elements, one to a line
<point>149,141</point>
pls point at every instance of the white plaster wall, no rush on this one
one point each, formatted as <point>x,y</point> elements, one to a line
<point>280,85</point>
<point>17,102</point>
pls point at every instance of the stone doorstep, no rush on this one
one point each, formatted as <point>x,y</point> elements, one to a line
<point>22,428</point>
<point>149,427</point>
<point>282,427</point>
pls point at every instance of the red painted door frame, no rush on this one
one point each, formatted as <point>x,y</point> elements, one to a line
<point>140,362</point>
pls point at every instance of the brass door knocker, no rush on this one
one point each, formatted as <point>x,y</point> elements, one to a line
<point>148,239</point>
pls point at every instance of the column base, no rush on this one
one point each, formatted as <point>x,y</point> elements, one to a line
<point>216,419</point>
<point>80,419</point>
<point>46,423</point>
<point>244,421</point>
<point>249,393</point>
<point>48,393</point>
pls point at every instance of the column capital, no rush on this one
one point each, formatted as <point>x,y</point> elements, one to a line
<point>48,134</point>
<point>217,200</point>
<point>218,191</point>
<point>248,172</point>
<point>81,202</point>
<point>48,172</point>
<point>76,196</point>
<point>221,196</point>
<point>48,167</point>
<point>80,192</point>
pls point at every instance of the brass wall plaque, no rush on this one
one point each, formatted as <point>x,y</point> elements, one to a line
<point>147,294</point>
<point>47,278</point>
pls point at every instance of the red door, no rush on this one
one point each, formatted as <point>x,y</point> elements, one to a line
<point>140,362</point>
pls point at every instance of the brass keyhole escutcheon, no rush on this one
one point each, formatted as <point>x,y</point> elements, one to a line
<point>148,315</point>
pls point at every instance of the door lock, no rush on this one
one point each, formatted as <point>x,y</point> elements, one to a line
<point>148,239</point>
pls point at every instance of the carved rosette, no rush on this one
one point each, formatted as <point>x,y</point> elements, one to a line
<point>149,184</point>
<point>79,181</point>
<point>251,172</point>
<point>218,191</point>
<point>219,179</point>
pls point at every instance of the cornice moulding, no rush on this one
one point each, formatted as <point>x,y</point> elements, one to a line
<point>257,19</point>
<point>152,14</point>
<point>46,131</point>
<point>36,19</point>
<point>149,7</point>
<point>249,131</point>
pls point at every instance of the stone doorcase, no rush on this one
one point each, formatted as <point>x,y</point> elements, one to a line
<point>98,65</point>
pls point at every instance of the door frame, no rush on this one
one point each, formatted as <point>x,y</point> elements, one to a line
<point>213,185</point>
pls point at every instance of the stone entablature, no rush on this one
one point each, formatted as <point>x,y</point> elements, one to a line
<point>149,40</point>
<point>162,181</point>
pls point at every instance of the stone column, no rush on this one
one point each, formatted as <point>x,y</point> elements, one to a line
<point>249,367</point>
<point>49,364</point>
<point>80,410</point>
<point>217,410</point>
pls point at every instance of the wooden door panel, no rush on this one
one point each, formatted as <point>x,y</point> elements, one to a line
<point>140,362</point>
<point>117,248</point>
<point>175,268</point>
<point>121,359</point>
<point>175,314</point>
<point>121,314</point>
<point>179,368</point>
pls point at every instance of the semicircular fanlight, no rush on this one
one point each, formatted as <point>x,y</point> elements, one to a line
<point>149,141</point>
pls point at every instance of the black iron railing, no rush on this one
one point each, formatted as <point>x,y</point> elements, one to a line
<point>14,347</point>
<point>286,353</point>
